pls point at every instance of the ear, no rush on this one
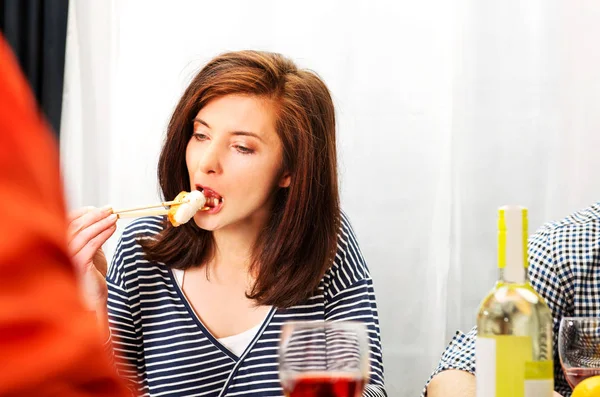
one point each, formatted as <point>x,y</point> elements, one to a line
<point>285,180</point>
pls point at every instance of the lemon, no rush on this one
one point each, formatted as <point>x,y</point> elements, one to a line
<point>588,388</point>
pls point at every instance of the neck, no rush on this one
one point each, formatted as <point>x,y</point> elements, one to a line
<point>234,248</point>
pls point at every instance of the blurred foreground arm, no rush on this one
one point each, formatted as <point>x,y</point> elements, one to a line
<point>50,345</point>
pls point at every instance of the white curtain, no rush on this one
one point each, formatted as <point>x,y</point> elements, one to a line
<point>446,111</point>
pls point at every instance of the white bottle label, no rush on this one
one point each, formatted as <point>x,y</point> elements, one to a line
<point>485,366</point>
<point>540,387</point>
<point>504,368</point>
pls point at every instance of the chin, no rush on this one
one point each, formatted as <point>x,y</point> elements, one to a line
<point>206,224</point>
<point>218,221</point>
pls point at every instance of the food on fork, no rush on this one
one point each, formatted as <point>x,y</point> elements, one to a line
<point>180,210</point>
<point>191,203</point>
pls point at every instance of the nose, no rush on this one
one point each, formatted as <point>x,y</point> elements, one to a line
<point>209,160</point>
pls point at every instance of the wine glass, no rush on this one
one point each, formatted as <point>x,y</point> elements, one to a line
<point>323,359</point>
<point>579,348</point>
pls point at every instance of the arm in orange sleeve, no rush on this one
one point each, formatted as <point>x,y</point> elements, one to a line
<point>49,344</point>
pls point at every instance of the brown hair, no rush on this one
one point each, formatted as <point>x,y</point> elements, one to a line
<point>300,239</point>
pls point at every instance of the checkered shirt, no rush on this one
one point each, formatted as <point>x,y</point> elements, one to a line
<point>564,268</point>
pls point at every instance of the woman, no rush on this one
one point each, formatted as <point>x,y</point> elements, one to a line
<point>198,309</point>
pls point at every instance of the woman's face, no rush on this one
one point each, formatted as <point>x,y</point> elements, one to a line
<point>235,156</point>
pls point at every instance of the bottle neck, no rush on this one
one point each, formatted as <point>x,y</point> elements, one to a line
<point>512,244</point>
<point>517,276</point>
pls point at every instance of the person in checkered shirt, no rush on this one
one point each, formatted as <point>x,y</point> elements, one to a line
<point>564,268</point>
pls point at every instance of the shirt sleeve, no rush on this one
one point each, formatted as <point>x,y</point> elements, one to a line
<point>357,303</point>
<point>51,346</point>
<point>126,337</point>
<point>459,354</point>
<point>350,296</point>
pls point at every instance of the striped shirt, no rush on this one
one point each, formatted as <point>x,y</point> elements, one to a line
<point>564,268</point>
<point>161,344</point>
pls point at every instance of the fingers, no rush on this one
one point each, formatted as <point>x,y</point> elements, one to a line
<point>73,215</point>
<point>87,252</point>
<point>87,226</point>
<point>79,218</point>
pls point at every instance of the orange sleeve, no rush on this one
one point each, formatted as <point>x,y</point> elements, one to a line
<point>49,345</point>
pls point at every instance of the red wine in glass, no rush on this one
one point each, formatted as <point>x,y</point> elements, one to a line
<point>576,375</point>
<point>324,385</point>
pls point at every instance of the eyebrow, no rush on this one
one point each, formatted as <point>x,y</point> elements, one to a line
<point>237,133</point>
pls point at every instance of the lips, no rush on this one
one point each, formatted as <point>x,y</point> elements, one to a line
<point>213,199</point>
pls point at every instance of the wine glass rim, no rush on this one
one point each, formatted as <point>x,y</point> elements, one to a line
<point>351,324</point>
<point>580,318</point>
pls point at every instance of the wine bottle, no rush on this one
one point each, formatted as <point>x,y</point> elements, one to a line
<point>513,351</point>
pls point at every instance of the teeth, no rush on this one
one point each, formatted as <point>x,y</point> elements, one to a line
<point>216,202</point>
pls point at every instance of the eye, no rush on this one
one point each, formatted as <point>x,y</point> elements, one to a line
<point>243,149</point>
<point>199,137</point>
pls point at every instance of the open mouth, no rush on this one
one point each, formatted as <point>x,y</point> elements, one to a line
<point>214,201</point>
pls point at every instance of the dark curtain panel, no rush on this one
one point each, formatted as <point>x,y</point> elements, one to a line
<point>37,31</point>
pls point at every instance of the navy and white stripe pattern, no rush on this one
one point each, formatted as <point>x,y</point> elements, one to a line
<point>564,268</point>
<point>160,343</point>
